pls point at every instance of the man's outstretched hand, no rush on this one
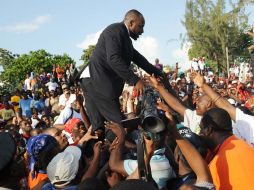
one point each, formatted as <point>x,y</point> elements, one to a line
<point>139,87</point>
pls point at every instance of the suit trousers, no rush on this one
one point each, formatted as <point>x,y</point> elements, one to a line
<point>99,108</point>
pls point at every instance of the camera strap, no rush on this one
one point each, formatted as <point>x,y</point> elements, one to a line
<point>144,170</point>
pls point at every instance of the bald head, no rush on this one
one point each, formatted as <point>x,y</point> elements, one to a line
<point>203,104</point>
<point>132,15</point>
<point>135,23</point>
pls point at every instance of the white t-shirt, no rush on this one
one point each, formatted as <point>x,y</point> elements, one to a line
<point>236,70</point>
<point>28,84</point>
<point>63,101</point>
<point>201,65</point>
<point>52,86</point>
<point>194,64</point>
<point>192,120</point>
<point>244,127</point>
<point>65,115</point>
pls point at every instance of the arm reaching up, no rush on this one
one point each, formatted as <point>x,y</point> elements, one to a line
<point>115,161</point>
<point>195,160</point>
<point>219,101</point>
<point>171,100</point>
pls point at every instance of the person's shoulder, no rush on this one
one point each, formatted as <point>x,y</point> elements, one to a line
<point>119,26</point>
<point>237,145</point>
<point>116,25</point>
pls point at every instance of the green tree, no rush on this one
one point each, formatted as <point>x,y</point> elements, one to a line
<point>212,28</point>
<point>16,67</point>
<point>87,54</point>
<point>6,58</point>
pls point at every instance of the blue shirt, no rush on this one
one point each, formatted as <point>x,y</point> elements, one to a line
<point>25,106</point>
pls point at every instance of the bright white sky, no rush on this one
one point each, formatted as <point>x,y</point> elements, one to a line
<point>68,26</point>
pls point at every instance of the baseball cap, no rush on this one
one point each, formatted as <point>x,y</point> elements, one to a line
<point>64,166</point>
<point>65,86</point>
<point>8,149</point>
<point>193,138</point>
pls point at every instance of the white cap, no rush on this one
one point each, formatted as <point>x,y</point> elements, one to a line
<point>64,166</point>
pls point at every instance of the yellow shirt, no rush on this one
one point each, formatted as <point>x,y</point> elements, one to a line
<point>6,114</point>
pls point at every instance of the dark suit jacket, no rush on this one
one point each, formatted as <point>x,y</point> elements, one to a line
<point>110,62</point>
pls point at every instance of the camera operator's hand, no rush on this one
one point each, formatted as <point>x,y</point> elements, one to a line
<point>165,108</point>
<point>116,128</point>
<point>150,147</point>
<point>139,87</point>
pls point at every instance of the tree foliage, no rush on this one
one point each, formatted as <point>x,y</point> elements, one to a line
<point>212,26</point>
<point>87,53</point>
<point>17,66</point>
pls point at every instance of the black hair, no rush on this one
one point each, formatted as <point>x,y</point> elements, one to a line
<point>218,119</point>
<point>45,157</point>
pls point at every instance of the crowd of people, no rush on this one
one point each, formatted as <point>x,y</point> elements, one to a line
<point>50,140</point>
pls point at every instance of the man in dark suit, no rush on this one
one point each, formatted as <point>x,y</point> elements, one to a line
<point>109,68</point>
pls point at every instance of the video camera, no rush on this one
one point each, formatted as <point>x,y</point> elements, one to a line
<point>151,119</point>
<point>152,123</point>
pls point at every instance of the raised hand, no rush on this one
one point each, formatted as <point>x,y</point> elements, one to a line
<point>97,148</point>
<point>116,128</point>
<point>153,81</point>
<point>150,147</point>
<point>165,108</point>
<point>88,136</point>
<point>198,79</point>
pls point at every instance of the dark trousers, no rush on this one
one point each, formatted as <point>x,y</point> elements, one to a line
<point>99,108</point>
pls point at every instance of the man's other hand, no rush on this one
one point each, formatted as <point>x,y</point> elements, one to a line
<point>139,87</point>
